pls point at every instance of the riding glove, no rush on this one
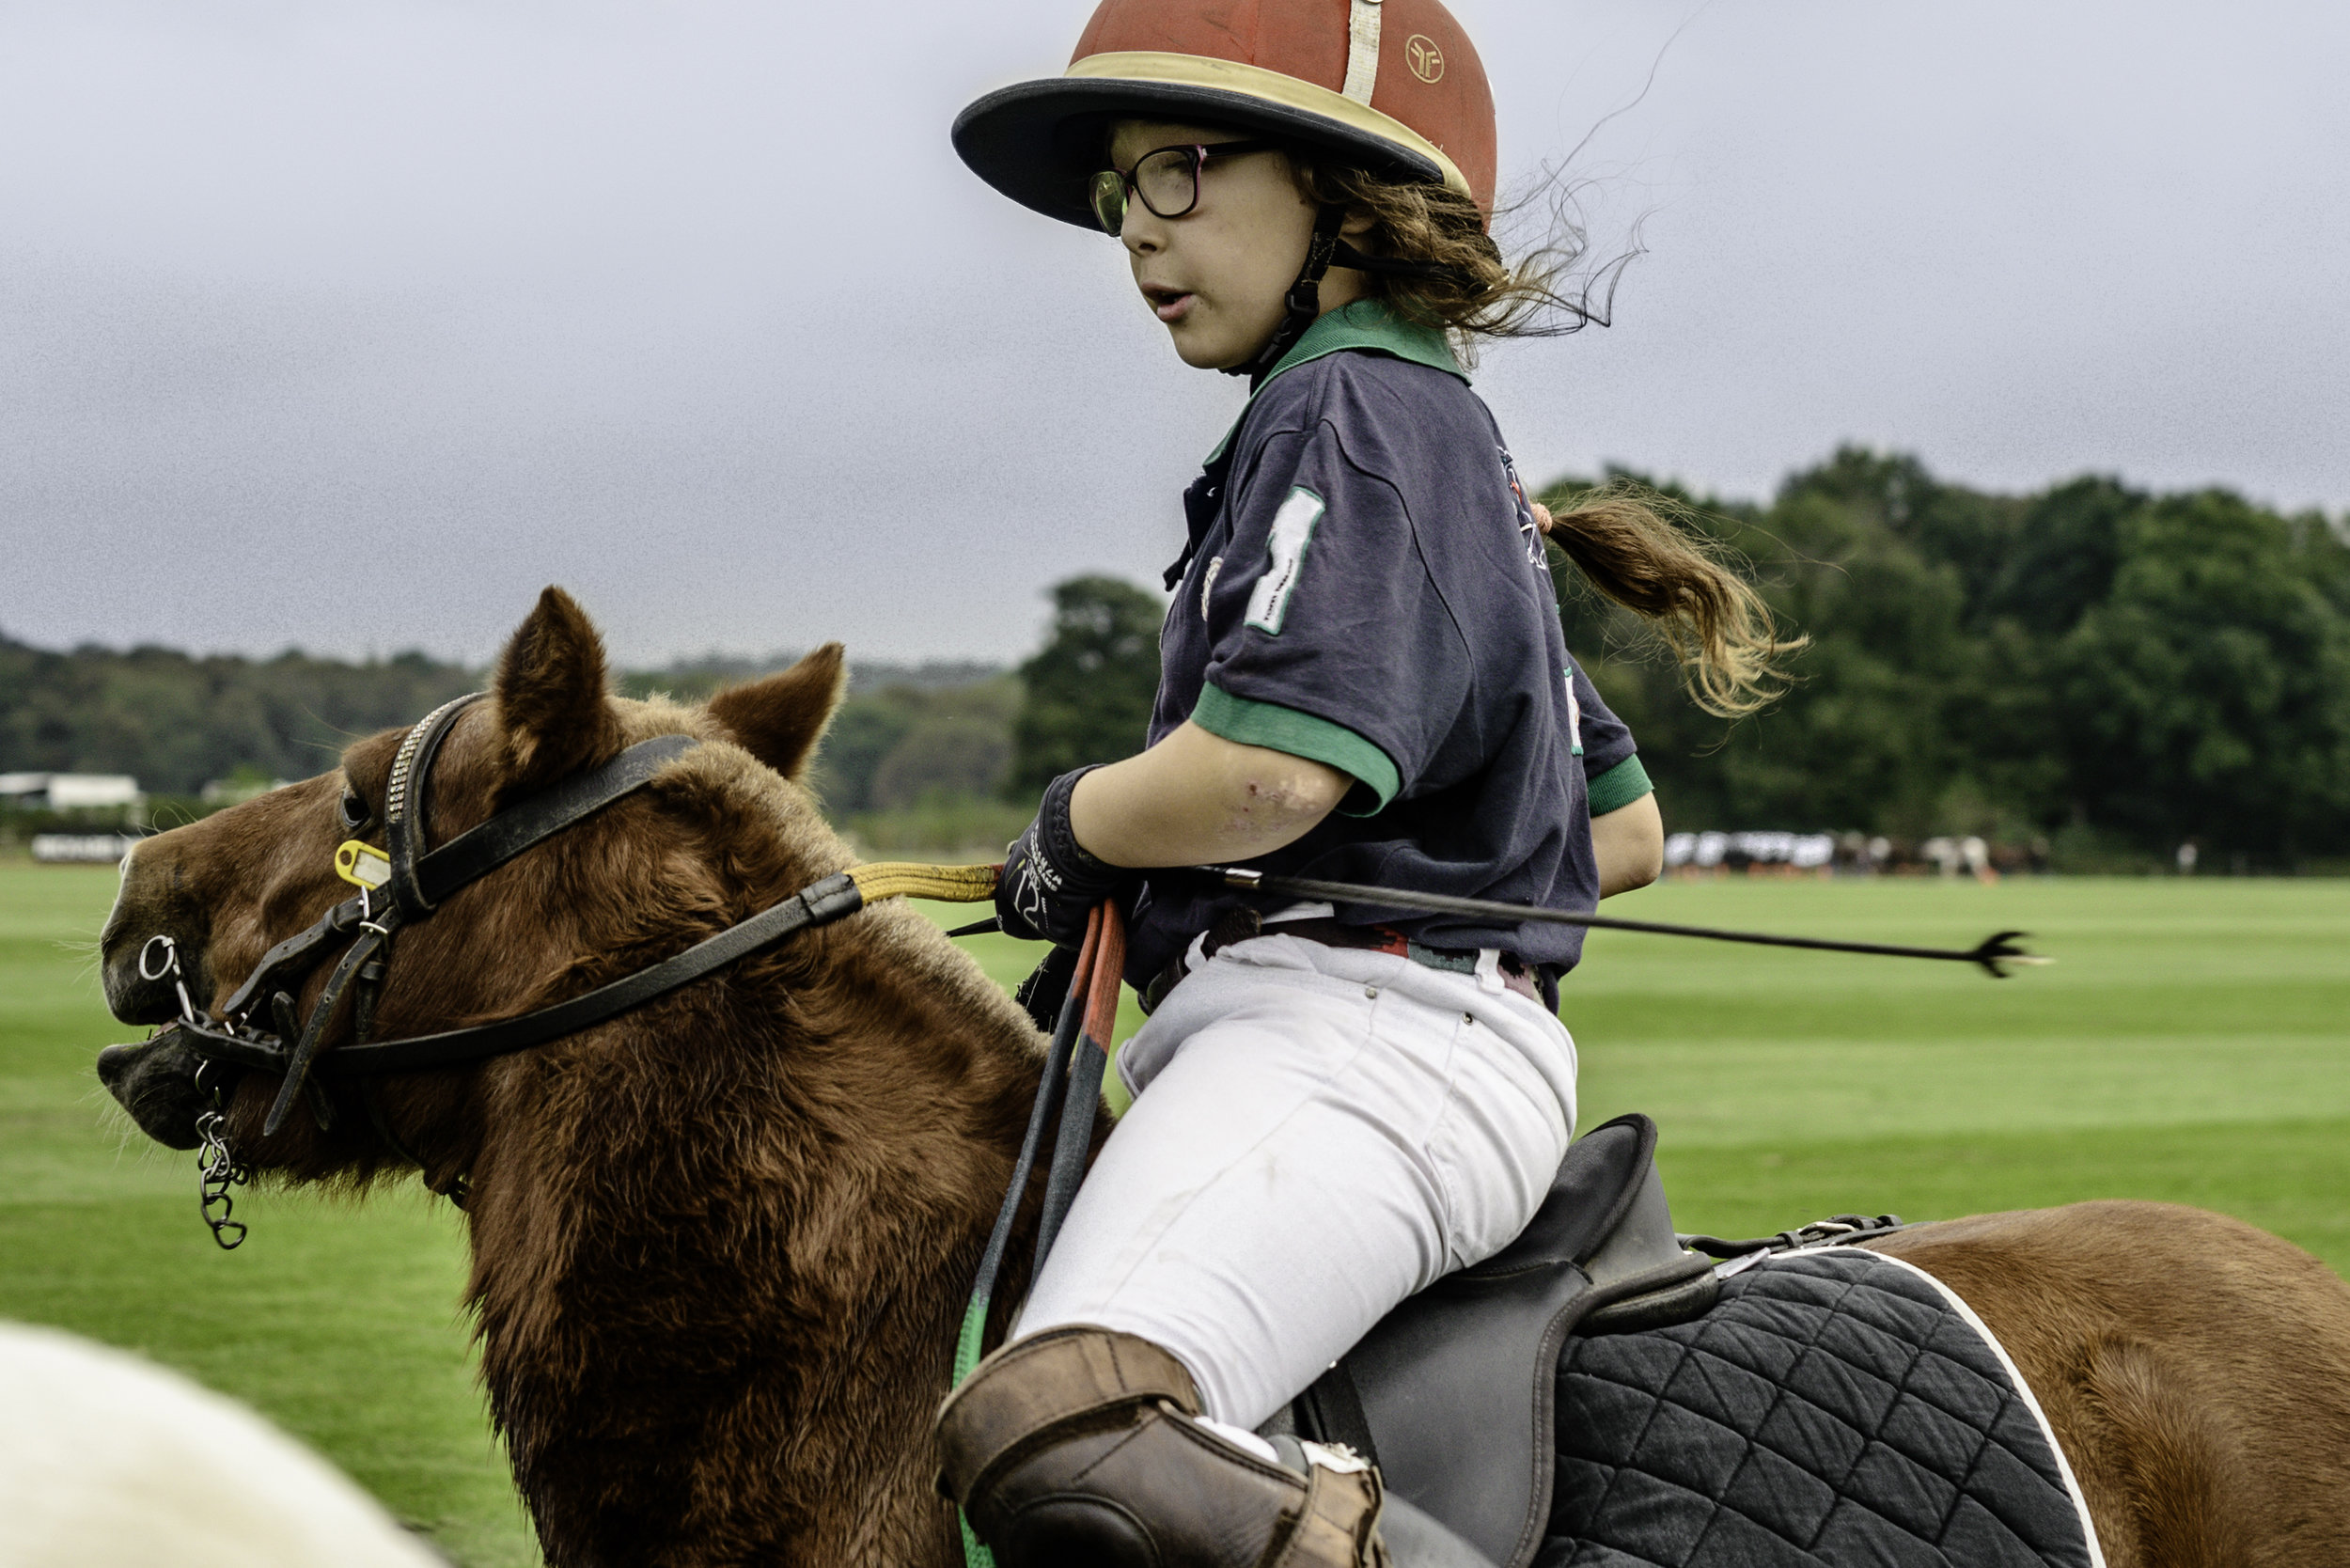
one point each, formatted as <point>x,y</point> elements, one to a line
<point>1050,881</point>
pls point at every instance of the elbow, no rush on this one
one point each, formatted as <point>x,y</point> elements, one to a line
<point>1647,858</point>
<point>1276,804</point>
<point>1629,845</point>
<point>1630,874</point>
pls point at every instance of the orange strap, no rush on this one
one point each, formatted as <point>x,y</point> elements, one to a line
<point>1106,947</point>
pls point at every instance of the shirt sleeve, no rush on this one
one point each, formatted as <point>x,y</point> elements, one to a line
<point>1328,638</point>
<point>1613,775</point>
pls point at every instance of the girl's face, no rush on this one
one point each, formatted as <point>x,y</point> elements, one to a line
<point>1219,275</point>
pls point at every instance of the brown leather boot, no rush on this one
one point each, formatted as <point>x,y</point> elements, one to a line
<point>1074,1450</point>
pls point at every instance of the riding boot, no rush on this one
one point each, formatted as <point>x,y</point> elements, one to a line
<point>1078,1449</point>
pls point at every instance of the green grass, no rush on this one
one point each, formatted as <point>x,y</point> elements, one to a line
<point>2190,1045</point>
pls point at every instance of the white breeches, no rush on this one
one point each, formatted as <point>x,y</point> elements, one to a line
<point>1316,1133</point>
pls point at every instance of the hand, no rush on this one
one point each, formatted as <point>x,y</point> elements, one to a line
<point>1050,881</point>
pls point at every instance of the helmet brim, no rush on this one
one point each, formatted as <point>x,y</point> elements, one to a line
<point>1040,142</point>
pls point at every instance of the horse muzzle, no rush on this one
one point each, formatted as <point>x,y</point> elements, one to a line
<point>137,994</point>
<point>155,1081</point>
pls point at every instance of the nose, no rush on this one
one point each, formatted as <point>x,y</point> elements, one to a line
<point>151,983</point>
<point>152,954</point>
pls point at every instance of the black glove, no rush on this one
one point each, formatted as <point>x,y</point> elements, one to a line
<point>1050,882</point>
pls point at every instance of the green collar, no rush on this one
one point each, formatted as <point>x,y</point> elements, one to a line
<point>1366,324</point>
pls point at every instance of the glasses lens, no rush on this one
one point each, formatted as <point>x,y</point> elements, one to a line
<point>1168,181</point>
<point>1109,201</point>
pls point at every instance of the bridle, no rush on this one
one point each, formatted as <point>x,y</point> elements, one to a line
<point>401,885</point>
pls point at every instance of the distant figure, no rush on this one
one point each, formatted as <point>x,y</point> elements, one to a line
<point>1977,854</point>
<point>2186,858</point>
<point>109,1461</point>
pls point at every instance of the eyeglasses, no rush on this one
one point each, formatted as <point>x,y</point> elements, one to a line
<point>1166,178</point>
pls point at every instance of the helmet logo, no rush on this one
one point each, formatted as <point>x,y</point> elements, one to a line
<point>1426,60</point>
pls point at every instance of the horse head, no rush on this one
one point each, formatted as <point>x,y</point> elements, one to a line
<point>201,905</point>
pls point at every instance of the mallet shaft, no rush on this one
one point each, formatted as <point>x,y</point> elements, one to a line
<point>1989,955</point>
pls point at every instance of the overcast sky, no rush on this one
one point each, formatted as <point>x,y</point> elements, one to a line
<point>349,326</point>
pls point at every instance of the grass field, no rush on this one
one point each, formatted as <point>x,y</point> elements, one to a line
<point>2192,1045</point>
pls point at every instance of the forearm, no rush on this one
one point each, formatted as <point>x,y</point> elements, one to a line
<point>1629,845</point>
<point>1197,798</point>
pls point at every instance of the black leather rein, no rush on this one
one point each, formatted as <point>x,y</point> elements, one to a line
<point>418,883</point>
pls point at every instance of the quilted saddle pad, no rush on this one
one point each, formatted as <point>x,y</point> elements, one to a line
<point>1838,1407</point>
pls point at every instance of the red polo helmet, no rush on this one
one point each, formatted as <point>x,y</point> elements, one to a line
<point>1393,86</point>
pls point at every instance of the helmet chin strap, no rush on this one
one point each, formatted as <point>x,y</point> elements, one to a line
<point>1324,251</point>
<point>1305,297</point>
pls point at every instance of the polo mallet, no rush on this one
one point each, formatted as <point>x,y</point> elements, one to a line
<point>1993,950</point>
<point>1990,953</point>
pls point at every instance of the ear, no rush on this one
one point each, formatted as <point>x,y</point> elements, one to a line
<point>550,689</point>
<point>780,719</point>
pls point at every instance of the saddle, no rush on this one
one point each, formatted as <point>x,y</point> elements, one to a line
<point>1807,1401</point>
<point>1453,1393</point>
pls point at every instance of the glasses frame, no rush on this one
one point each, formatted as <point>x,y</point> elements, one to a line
<point>1129,189</point>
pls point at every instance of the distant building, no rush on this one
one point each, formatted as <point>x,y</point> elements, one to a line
<point>70,792</point>
<point>96,848</point>
<point>236,792</point>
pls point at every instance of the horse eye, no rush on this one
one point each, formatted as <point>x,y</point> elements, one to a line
<point>355,809</point>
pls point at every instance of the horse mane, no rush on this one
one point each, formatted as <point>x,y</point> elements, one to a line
<point>735,1219</point>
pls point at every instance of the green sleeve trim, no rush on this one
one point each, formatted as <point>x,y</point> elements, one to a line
<point>1618,787</point>
<point>1278,729</point>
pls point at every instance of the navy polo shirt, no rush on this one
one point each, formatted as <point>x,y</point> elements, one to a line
<point>1364,586</point>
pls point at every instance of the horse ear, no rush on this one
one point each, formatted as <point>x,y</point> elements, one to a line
<point>779,719</point>
<point>550,691</point>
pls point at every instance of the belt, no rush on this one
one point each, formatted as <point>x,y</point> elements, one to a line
<point>1239,925</point>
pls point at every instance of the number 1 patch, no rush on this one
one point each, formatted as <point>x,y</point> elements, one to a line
<point>1292,530</point>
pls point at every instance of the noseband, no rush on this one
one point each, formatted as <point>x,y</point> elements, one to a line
<point>411,882</point>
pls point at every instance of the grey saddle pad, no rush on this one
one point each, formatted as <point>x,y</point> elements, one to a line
<point>1835,1409</point>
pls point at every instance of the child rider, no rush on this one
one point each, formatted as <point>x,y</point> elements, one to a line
<point>1363,680</point>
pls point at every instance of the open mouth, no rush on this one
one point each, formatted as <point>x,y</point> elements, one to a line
<point>1168,304</point>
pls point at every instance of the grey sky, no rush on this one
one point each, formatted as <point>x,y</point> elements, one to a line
<point>349,325</point>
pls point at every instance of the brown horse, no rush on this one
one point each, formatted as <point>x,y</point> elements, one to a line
<point>720,1244</point>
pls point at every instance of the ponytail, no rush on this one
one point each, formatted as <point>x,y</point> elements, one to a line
<point>1633,546</point>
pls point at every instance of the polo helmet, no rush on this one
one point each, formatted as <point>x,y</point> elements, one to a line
<point>1392,86</point>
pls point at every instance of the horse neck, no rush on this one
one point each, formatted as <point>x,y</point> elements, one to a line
<point>719,1263</point>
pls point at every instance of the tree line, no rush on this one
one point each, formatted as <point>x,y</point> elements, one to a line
<point>2113,671</point>
<point>2100,667</point>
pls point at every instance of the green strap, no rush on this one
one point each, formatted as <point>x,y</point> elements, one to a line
<point>974,1552</point>
<point>970,1340</point>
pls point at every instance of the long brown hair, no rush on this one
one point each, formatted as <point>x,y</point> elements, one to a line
<point>1550,291</point>
<point>1635,547</point>
<point>1643,551</point>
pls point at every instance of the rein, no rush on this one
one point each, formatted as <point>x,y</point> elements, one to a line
<point>404,884</point>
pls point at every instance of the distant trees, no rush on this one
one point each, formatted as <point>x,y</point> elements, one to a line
<point>176,723</point>
<point>1089,690</point>
<point>892,748</point>
<point>2115,670</point>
